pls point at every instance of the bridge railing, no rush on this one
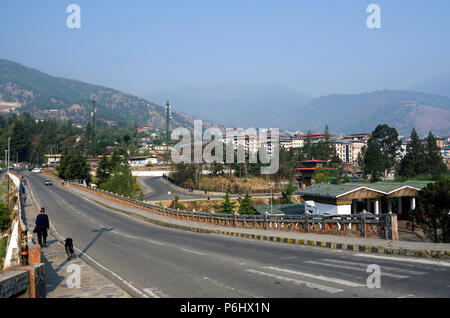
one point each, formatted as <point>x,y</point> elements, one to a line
<point>363,224</point>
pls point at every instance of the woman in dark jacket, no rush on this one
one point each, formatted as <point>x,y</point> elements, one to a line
<point>42,225</point>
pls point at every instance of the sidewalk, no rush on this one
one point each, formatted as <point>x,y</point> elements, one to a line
<point>92,284</point>
<point>358,244</point>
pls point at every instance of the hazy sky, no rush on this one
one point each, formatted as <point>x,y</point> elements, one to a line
<point>316,47</point>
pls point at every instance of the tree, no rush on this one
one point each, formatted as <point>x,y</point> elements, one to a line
<point>434,164</point>
<point>175,204</point>
<point>373,160</point>
<point>321,175</point>
<point>73,166</point>
<point>413,163</point>
<point>287,193</point>
<point>103,171</point>
<point>390,145</point>
<point>227,206</point>
<point>432,211</point>
<point>246,206</point>
<point>122,182</point>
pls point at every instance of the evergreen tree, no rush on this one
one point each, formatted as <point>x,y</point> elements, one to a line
<point>73,166</point>
<point>413,163</point>
<point>373,160</point>
<point>227,206</point>
<point>103,170</point>
<point>432,211</point>
<point>246,206</point>
<point>434,163</point>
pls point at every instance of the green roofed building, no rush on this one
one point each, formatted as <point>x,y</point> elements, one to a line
<point>351,198</point>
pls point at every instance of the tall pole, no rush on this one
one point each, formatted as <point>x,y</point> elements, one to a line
<point>9,152</point>
<point>168,116</point>
<point>9,155</point>
<point>93,126</point>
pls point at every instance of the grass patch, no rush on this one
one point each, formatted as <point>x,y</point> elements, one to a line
<point>3,246</point>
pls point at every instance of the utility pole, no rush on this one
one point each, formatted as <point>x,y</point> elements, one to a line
<point>93,126</point>
<point>168,118</point>
<point>9,147</point>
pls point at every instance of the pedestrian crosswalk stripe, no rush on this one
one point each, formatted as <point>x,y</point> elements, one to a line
<point>406,271</point>
<point>328,289</point>
<point>411,260</point>
<point>383,273</point>
<point>319,277</point>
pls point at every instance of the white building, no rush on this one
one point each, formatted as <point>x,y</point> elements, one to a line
<point>142,161</point>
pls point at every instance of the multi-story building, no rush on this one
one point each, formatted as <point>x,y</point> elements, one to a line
<point>291,142</point>
<point>349,147</point>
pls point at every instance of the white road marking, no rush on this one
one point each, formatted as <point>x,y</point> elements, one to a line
<point>137,238</point>
<point>324,288</point>
<point>289,257</point>
<point>406,296</point>
<point>355,269</point>
<point>410,260</point>
<point>407,271</point>
<point>189,251</point>
<point>319,277</point>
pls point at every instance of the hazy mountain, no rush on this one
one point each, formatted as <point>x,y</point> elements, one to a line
<point>25,89</point>
<point>439,85</point>
<point>403,110</point>
<point>279,107</point>
<point>236,105</point>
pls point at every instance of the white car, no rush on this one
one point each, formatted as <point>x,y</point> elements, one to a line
<point>37,170</point>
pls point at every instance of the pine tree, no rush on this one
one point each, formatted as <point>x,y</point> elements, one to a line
<point>433,159</point>
<point>227,206</point>
<point>246,206</point>
<point>103,171</point>
<point>432,211</point>
<point>373,160</point>
<point>413,163</point>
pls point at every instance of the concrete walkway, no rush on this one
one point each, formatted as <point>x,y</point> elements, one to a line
<point>370,245</point>
<point>58,269</point>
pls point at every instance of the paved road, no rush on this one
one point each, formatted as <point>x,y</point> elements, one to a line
<point>147,260</point>
<point>161,189</point>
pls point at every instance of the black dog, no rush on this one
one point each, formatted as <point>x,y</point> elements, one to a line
<point>69,248</point>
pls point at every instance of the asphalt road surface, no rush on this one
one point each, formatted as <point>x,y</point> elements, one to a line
<point>152,261</point>
<point>161,191</point>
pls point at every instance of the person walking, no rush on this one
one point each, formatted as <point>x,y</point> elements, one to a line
<point>42,225</point>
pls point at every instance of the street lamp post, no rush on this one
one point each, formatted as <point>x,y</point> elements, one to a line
<point>271,199</point>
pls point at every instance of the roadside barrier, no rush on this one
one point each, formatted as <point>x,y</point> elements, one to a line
<point>24,274</point>
<point>367,225</point>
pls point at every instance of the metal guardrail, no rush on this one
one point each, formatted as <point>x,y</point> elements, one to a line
<point>363,224</point>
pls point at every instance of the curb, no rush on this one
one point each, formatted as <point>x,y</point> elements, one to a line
<point>341,246</point>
